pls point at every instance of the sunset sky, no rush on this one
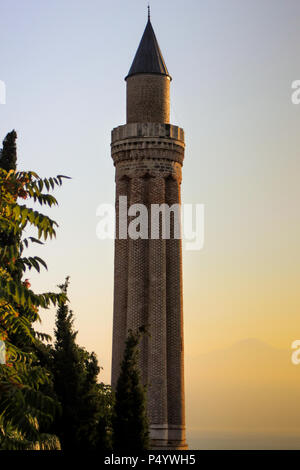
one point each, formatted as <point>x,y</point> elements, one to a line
<point>232,63</point>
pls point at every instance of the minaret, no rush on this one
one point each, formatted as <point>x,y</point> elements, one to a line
<point>148,154</point>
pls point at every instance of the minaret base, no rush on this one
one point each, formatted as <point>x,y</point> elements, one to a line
<point>167,437</point>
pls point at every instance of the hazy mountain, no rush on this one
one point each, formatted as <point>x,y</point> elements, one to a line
<point>248,393</point>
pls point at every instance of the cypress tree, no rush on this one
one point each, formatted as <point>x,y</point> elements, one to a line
<point>75,373</point>
<point>8,154</point>
<point>8,161</point>
<point>66,374</point>
<point>130,422</point>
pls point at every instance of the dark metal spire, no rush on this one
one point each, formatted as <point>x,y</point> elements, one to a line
<point>148,58</point>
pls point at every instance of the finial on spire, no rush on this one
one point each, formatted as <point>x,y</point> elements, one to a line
<point>148,11</point>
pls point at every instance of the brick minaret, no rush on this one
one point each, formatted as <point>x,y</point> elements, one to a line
<point>148,154</point>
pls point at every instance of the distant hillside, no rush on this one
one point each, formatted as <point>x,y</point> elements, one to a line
<point>250,387</point>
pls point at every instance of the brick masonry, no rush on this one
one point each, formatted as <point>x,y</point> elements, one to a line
<point>148,275</point>
<point>148,98</point>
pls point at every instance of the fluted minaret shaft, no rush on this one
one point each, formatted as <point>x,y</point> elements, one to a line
<point>175,373</point>
<point>137,276</point>
<point>157,374</point>
<point>120,286</point>
<point>148,279</point>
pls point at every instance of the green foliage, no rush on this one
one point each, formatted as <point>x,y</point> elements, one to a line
<point>104,426</point>
<point>24,407</point>
<point>86,405</point>
<point>130,422</point>
<point>8,154</point>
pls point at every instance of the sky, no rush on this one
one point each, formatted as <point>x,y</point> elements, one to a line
<point>232,63</point>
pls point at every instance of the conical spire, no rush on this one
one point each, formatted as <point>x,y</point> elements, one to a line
<point>148,58</point>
